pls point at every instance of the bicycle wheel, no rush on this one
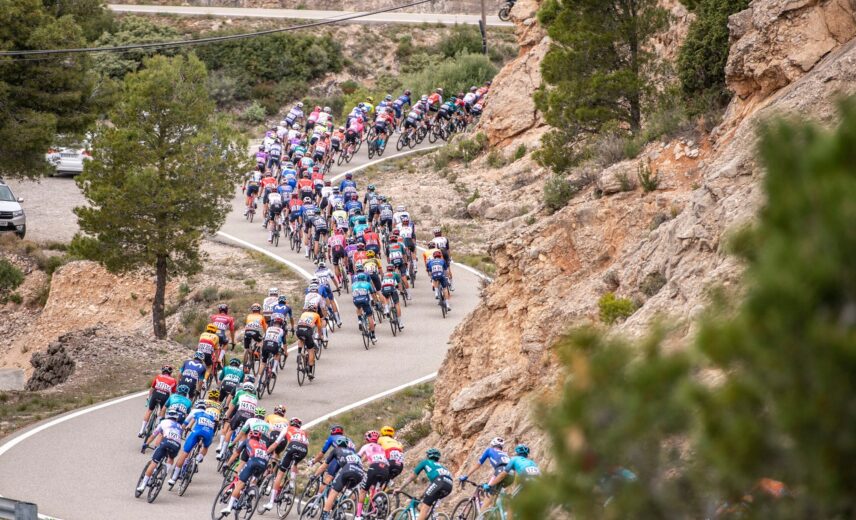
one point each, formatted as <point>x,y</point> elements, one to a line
<point>504,13</point>
<point>356,149</point>
<point>313,507</point>
<point>432,135</point>
<point>275,238</point>
<point>271,383</point>
<point>393,320</point>
<point>156,483</point>
<point>140,480</point>
<point>220,501</point>
<point>366,336</point>
<point>301,370</point>
<point>188,476</point>
<point>492,513</point>
<point>402,513</point>
<point>252,496</point>
<point>411,141</point>
<point>344,510</point>
<point>442,303</point>
<point>464,510</point>
<point>250,215</point>
<point>401,142</point>
<point>381,505</point>
<point>371,150</point>
<point>285,500</point>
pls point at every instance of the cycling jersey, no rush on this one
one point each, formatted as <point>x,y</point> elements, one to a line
<point>208,343</point>
<point>432,469</point>
<point>255,424</point>
<point>277,423</point>
<point>373,453</point>
<point>309,319</point>
<point>178,403</point>
<point>498,459</point>
<point>164,384</point>
<point>362,291</point>
<point>436,268</point>
<point>256,322</point>
<point>223,322</point>
<point>312,300</point>
<point>390,282</point>
<point>191,372</point>
<point>392,448</point>
<point>245,403</point>
<point>281,309</point>
<point>231,375</point>
<point>267,305</point>
<point>323,275</point>
<point>523,467</point>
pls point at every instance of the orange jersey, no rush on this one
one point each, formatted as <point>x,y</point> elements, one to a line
<point>310,319</point>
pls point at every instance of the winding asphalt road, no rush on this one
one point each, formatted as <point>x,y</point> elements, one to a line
<point>306,14</point>
<point>86,467</point>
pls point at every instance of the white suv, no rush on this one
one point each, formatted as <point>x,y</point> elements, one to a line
<point>12,216</point>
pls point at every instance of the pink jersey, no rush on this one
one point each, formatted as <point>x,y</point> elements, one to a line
<point>372,453</point>
<point>336,241</point>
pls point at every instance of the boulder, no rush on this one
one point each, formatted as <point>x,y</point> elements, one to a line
<point>618,177</point>
<point>51,367</point>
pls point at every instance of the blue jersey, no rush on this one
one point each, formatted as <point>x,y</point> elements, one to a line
<point>437,269</point>
<point>281,308</point>
<point>362,291</point>
<point>285,190</point>
<point>353,205</point>
<point>178,403</point>
<point>192,371</point>
<point>401,101</point>
<point>525,468</point>
<point>205,422</point>
<point>331,441</point>
<point>498,459</point>
<point>345,183</point>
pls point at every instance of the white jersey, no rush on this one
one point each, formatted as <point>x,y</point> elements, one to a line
<point>326,191</point>
<point>398,216</point>
<point>267,141</point>
<point>312,300</point>
<point>405,231</point>
<point>274,198</point>
<point>169,429</point>
<point>442,242</point>
<point>281,131</point>
<point>247,404</point>
<point>323,276</point>
<point>292,134</point>
<point>470,98</point>
<point>323,117</point>
<point>268,304</point>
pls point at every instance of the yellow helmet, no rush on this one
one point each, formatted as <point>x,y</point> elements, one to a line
<point>214,395</point>
<point>212,328</point>
<point>387,431</point>
<point>370,99</point>
<point>370,254</point>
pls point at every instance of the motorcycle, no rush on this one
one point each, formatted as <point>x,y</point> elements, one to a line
<point>505,10</point>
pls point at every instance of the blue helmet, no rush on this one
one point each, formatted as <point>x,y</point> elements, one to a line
<point>361,277</point>
<point>183,389</point>
<point>522,450</point>
<point>199,355</point>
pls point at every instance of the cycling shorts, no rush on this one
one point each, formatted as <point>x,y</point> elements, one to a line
<point>250,336</point>
<point>348,478</point>
<point>294,453</point>
<point>204,435</point>
<point>255,466</point>
<point>395,469</point>
<point>444,283</point>
<point>378,473</point>
<point>365,306</point>
<point>337,254</point>
<point>319,232</point>
<point>439,489</point>
<point>167,448</point>
<point>227,389</point>
<point>270,349</point>
<point>318,156</point>
<point>158,398</point>
<point>252,190</point>
<point>304,332</point>
<point>375,278</point>
<point>238,421</point>
<point>391,293</point>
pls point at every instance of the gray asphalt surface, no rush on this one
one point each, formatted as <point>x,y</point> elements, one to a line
<point>307,14</point>
<point>86,468</point>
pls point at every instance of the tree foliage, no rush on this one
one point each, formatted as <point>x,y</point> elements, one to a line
<point>133,29</point>
<point>702,58</point>
<point>782,406</point>
<point>161,176</point>
<point>92,16</point>
<point>41,98</point>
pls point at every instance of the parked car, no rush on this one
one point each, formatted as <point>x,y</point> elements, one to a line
<point>68,161</point>
<point>12,217</point>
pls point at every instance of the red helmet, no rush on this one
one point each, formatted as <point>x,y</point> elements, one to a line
<point>372,436</point>
<point>438,254</point>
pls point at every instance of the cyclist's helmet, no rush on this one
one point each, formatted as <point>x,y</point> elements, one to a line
<point>395,232</point>
<point>424,97</point>
<point>260,412</point>
<point>439,91</point>
<point>393,238</point>
<point>299,104</point>
<point>400,208</point>
<point>361,246</point>
<point>322,265</point>
<point>200,404</point>
<point>283,299</point>
<point>342,442</point>
<point>248,387</point>
<point>432,245</point>
<point>487,83</point>
<point>223,308</point>
<point>340,206</point>
<point>437,231</point>
<point>437,254</point>
<point>354,196</point>
<point>370,99</point>
<point>433,454</point>
<point>497,442</point>
<point>407,92</point>
<point>370,254</point>
<point>460,95</point>
<point>306,200</point>
<point>183,389</point>
<point>211,328</point>
<point>388,97</point>
<point>261,148</point>
<point>279,410</point>
<point>473,89</point>
<point>278,320</point>
<point>387,431</point>
<point>522,450</point>
<point>295,126</point>
<point>390,268</point>
<point>327,109</point>
<point>382,198</point>
<point>336,430</point>
<point>372,436</point>
<point>361,277</point>
<point>234,362</point>
<point>214,395</point>
<point>166,369</point>
<point>250,378</point>
<point>296,422</point>
<point>317,109</point>
<point>172,414</point>
<point>256,307</point>
<point>199,355</point>
<point>351,240</point>
<point>313,288</point>
<point>273,291</point>
<point>255,434</point>
<point>341,128</point>
<point>289,165</point>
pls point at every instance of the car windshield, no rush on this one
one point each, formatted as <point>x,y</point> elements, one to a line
<point>6,194</point>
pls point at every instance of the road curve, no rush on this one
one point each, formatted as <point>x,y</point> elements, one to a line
<point>305,14</point>
<point>86,467</point>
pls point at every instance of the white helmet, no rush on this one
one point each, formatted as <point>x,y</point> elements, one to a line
<point>497,442</point>
<point>400,208</point>
<point>273,291</point>
<point>295,126</point>
<point>327,109</point>
<point>300,104</point>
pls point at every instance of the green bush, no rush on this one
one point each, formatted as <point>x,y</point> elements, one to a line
<point>520,152</point>
<point>132,29</point>
<point>495,159</point>
<point>223,88</point>
<point>255,113</point>
<point>349,86</point>
<point>557,192</point>
<point>10,277</point>
<point>462,39</point>
<point>647,179</point>
<point>702,57</point>
<point>613,309</point>
<point>16,298</point>
<point>652,283</point>
<point>454,75</point>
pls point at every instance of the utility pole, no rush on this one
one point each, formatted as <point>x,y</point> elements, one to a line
<point>483,27</point>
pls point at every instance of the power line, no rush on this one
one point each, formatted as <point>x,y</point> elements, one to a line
<point>212,39</point>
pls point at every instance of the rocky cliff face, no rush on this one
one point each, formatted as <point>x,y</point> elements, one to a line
<point>663,249</point>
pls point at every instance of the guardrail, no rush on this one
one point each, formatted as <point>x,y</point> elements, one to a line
<point>15,510</point>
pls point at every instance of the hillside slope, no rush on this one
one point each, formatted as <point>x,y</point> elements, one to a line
<point>663,249</point>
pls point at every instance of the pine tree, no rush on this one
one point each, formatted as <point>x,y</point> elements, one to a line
<point>162,176</point>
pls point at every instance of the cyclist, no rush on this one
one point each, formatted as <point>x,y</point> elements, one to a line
<point>440,477</point>
<point>256,325</point>
<point>354,133</point>
<point>282,309</point>
<point>407,235</point>
<point>325,280</point>
<point>442,243</point>
<point>400,215</point>
<point>251,184</point>
<point>336,247</point>
<point>363,292</point>
<point>498,460</point>
<point>520,468</point>
<point>209,343</point>
<point>212,404</point>
<point>169,430</point>
<point>435,100</point>
<point>193,373</point>
<point>312,119</point>
<point>256,423</point>
<point>267,185</point>
<point>437,270</point>
<point>179,402</point>
<point>295,115</point>
<point>241,408</point>
<point>310,210</point>
<point>377,473</point>
<point>278,424</point>
<point>321,232</point>
<point>347,182</point>
<point>372,241</point>
<point>295,212</point>
<point>397,258</point>
<point>401,102</point>
<point>308,324</point>
<point>275,205</point>
<point>296,445</point>
<point>390,285</point>
<point>273,342</point>
<point>201,425</point>
<point>350,473</point>
<point>230,377</point>
<point>368,106</point>
<point>337,433</point>
<point>261,162</point>
<point>337,139</point>
<point>371,266</point>
<point>161,388</point>
<point>225,322</point>
<point>393,449</point>
<point>385,213</point>
<point>269,302</point>
<point>274,156</point>
<point>255,450</point>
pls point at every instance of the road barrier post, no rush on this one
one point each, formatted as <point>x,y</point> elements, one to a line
<point>15,510</point>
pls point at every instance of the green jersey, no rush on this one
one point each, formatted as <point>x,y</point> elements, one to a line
<point>257,425</point>
<point>432,469</point>
<point>232,375</point>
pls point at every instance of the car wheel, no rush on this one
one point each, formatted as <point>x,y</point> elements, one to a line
<point>22,232</point>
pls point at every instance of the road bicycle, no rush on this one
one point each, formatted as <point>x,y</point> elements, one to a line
<point>376,504</point>
<point>156,481</point>
<point>441,298</point>
<point>286,498</point>
<point>188,469</point>
<point>344,507</point>
<point>365,332</point>
<point>252,359</point>
<point>303,368</point>
<point>247,502</point>
<point>393,318</point>
<point>276,231</point>
<point>267,379</point>
<point>411,510</point>
<point>378,312</point>
<point>469,508</point>
<point>150,424</point>
<point>251,212</point>
<point>496,511</point>
<point>310,489</point>
<point>296,239</point>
